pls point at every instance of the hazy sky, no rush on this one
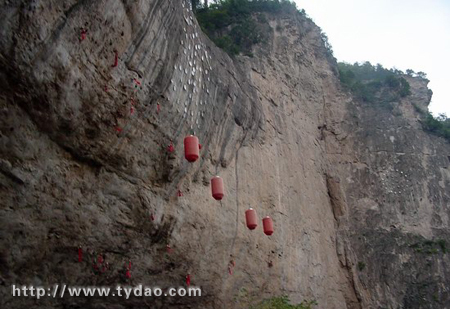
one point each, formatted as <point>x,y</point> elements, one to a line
<point>405,34</point>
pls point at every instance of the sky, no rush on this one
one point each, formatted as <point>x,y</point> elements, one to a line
<point>405,34</point>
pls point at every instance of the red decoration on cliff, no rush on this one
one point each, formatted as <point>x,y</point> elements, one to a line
<point>105,267</point>
<point>170,148</point>
<point>128,272</point>
<point>80,254</point>
<point>188,280</point>
<point>83,34</point>
<point>231,265</point>
<point>152,217</point>
<point>168,248</point>
<point>100,262</point>
<point>179,193</point>
<point>116,58</point>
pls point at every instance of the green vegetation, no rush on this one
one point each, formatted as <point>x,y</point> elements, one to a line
<point>430,246</point>
<point>411,73</point>
<point>236,25</point>
<point>379,86</point>
<point>283,303</point>
<point>442,244</point>
<point>373,84</point>
<point>437,125</point>
<point>361,266</point>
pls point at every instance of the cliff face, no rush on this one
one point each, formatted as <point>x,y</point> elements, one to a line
<point>359,194</point>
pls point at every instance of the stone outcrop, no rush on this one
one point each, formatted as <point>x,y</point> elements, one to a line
<point>359,194</point>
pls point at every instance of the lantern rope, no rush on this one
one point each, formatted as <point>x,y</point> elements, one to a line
<point>231,263</point>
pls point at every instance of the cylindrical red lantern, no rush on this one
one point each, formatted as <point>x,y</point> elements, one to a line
<point>191,148</point>
<point>250,218</point>
<point>268,226</point>
<point>217,188</point>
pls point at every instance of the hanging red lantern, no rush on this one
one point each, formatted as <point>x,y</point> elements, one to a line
<point>250,218</point>
<point>268,226</point>
<point>191,148</point>
<point>217,188</point>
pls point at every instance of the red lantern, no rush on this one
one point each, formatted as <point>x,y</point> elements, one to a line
<point>268,226</point>
<point>217,188</point>
<point>250,218</point>
<point>191,148</point>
